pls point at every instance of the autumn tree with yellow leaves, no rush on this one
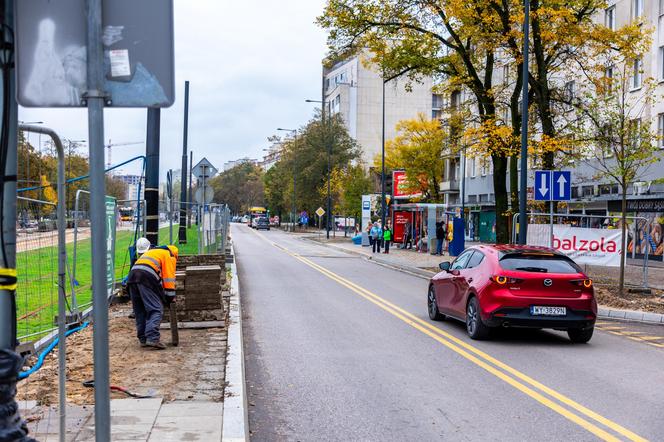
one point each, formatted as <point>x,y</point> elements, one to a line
<point>463,44</point>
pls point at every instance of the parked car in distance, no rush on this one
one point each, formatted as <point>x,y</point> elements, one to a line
<point>262,223</point>
<point>244,219</point>
<point>491,286</point>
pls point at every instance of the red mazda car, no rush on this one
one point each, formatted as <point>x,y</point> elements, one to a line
<point>514,286</point>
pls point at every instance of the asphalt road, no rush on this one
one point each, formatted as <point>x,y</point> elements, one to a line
<point>339,348</point>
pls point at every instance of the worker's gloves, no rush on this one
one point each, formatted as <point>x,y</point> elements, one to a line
<point>169,297</point>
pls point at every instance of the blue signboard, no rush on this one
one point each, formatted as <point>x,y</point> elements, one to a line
<point>543,185</point>
<point>553,185</point>
<point>561,185</point>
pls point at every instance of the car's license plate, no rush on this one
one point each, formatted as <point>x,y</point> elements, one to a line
<point>538,310</point>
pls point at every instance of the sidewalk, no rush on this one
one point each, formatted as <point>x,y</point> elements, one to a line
<point>133,419</point>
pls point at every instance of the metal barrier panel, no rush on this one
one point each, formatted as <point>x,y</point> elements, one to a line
<point>636,244</point>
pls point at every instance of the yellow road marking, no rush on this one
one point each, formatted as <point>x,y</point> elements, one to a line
<point>450,341</point>
<point>630,333</point>
<point>656,344</point>
<point>651,338</point>
<point>612,328</point>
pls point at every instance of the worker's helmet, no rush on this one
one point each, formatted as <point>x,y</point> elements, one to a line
<point>174,251</point>
<point>142,245</point>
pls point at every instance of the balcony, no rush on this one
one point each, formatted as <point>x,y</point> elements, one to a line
<point>450,186</point>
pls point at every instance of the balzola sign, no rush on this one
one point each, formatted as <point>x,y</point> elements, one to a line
<point>645,205</point>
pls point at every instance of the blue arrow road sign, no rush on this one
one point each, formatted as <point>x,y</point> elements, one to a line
<point>543,185</point>
<point>562,185</point>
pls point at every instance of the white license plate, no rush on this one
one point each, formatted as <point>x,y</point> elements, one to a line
<point>537,310</point>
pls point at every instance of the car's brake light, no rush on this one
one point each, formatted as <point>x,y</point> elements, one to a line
<point>587,283</point>
<point>502,280</point>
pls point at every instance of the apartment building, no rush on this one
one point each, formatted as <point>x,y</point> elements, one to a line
<point>471,178</point>
<point>354,91</point>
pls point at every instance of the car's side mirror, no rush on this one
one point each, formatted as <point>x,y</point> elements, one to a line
<point>444,266</point>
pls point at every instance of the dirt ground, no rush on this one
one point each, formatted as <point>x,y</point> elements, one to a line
<point>608,297</point>
<point>192,371</point>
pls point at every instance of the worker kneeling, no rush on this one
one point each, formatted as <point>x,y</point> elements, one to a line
<point>151,285</point>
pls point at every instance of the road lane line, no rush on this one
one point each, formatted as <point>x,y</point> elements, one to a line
<point>651,338</point>
<point>427,328</point>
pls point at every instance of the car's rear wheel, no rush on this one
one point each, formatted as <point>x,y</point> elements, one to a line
<point>434,314</point>
<point>474,326</point>
<point>580,335</point>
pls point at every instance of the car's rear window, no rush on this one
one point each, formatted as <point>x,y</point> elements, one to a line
<point>539,263</point>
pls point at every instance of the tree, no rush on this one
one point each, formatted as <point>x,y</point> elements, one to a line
<point>616,135</point>
<point>304,158</point>
<point>240,187</point>
<point>418,149</point>
<point>456,42</point>
<point>115,187</point>
<point>347,187</point>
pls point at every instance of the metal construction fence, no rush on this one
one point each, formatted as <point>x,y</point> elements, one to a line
<point>637,244</point>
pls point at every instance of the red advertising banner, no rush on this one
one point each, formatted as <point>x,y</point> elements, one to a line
<point>399,187</point>
<point>400,219</point>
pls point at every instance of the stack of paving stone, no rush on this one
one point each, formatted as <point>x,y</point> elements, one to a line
<point>198,291</point>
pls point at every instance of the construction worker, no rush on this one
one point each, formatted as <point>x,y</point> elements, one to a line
<point>151,285</point>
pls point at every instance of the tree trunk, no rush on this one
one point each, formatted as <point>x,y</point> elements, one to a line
<point>500,194</point>
<point>514,183</point>
<point>623,227</point>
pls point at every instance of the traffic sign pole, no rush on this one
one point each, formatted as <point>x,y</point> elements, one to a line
<point>95,100</point>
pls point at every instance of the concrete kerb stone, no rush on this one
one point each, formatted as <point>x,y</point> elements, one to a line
<point>602,312</point>
<point>235,423</point>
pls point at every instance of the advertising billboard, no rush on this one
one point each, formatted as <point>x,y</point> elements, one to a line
<point>400,186</point>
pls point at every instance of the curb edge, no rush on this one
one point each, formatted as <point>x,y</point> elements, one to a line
<point>235,420</point>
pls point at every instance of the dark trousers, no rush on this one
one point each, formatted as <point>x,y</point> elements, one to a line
<point>439,246</point>
<point>148,309</point>
<point>387,246</point>
<point>407,242</point>
<point>376,245</point>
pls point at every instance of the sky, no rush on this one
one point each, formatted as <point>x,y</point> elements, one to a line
<point>250,64</point>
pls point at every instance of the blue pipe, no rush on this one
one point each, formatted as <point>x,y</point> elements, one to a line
<point>42,355</point>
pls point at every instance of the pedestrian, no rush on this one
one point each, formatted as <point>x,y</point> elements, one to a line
<point>407,235</point>
<point>441,233</point>
<point>369,227</point>
<point>377,235</point>
<point>387,236</point>
<point>151,285</point>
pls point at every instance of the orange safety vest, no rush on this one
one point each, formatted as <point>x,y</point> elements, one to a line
<point>162,260</point>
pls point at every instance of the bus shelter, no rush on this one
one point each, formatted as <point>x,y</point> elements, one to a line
<point>422,218</point>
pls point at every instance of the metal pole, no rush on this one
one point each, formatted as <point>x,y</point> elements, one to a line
<point>12,426</point>
<point>463,190</point>
<point>382,161</point>
<point>523,184</point>
<point>170,206</point>
<point>551,223</point>
<point>182,231</point>
<point>152,176</point>
<point>326,126</point>
<point>294,209</point>
<point>190,198</point>
<point>95,101</point>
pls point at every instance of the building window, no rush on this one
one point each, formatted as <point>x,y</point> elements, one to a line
<point>455,100</point>
<point>637,73</point>
<point>575,192</point>
<point>473,167</point>
<point>483,168</point>
<point>637,9</point>
<point>484,198</point>
<point>661,63</point>
<point>660,130</point>
<point>588,190</point>
<point>472,199</point>
<point>634,128</point>
<point>661,7</point>
<point>506,74</point>
<point>610,17</point>
<point>568,94</point>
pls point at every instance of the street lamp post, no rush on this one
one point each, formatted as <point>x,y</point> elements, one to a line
<point>523,222</point>
<point>329,158</point>
<point>383,206</point>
